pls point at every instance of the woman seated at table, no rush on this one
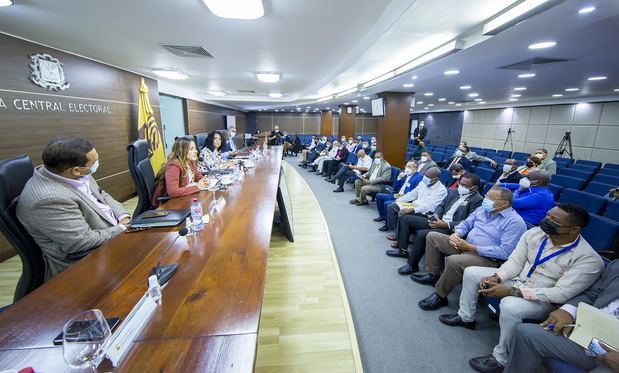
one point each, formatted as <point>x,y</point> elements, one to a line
<point>532,198</point>
<point>180,175</point>
<point>531,164</point>
<point>211,153</point>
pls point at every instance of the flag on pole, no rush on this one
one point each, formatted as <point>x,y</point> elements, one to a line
<point>149,130</point>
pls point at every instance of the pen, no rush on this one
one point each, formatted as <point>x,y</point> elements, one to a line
<point>552,326</point>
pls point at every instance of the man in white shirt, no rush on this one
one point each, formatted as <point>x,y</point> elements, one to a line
<point>425,198</point>
<point>364,162</point>
<point>373,181</point>
<point>324,155</point>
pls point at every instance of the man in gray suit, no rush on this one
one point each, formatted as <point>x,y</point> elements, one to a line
<point>64,209</point>
<point>373,181</point>
<point>531,343</point>
<point>426,162</point>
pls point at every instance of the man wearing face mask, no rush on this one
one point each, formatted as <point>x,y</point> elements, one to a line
<point>406,181</point>
<point>420,132</point>
<point>550,265</point>
<point>276,136</point>
<point>421,148</point>
<point>364,162</point>
<point>547,164</point>
<point>425,198</point>
<point>373,181</point>
<point>63,208</point>
<point>318,149</point>
<point>532,198</point>
<point>510,172</point>
<point>459,157</point>
<point>471,155</point>
<point>457,172</point>
<point>426,162</point>
<point>330,166</point>
<point>457,206</point>
<point>343,141</point>
<point>491,235</point>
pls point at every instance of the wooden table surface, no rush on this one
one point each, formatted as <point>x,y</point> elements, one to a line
<point>217,290</point>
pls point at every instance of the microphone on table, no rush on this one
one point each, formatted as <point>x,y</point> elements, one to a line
<point>165,273</point>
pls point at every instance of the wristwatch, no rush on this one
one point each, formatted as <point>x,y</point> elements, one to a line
<point>496,276</point>
<point>515,292</point>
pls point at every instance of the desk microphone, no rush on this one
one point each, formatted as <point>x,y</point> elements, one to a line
<point>165,273</point>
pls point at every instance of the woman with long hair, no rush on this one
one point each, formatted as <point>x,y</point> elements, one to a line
<point>211,153</point>
<point>180,175</point>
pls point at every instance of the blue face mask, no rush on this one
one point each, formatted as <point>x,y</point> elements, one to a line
<point>487,205</point>
<point>94,167</point>
<point>426,180</point>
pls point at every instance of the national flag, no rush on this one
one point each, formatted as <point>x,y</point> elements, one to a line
<point>149,130</point>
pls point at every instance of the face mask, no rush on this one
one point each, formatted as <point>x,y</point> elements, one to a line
<point>458,153</point>
<point>232,134</point>
<point>507,168</point>
<point>94,167</point>
<point>456,177</point>
<point>408,171</point>
<point>540,155</point>
<point>377,161</point>
<point>488,205</point>
<point>529,164</point>
<point>421,125</point>
<point>423,159</point>
<point>463,190</point>
<point>426,180</point>
<point>373,147</point>
<point>549,227</point>
<point>343,139</point>
<point>524,183</point>
<point>365,144</point>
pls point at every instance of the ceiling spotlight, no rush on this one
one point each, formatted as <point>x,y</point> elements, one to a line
<point>170,73</point>
<point>557,95</point>
<point>236,9</point>
<point>268,77</point>
<point>5,3</point>
<point>479,99</point>
<point>451,102</point>
<point>442,99</point>
<point>520,89</point>
<point>355,101</point>
<point>328,108</point>
<point>597,78</point>
<point>426,108</point>
<point>473,94</point>
<point>586,10</point>
<point>414,77</point>
<point>516,95</point>
<point>430,104</point>
<point>452,72</point>
<point>346,103</point>
<point>275,94</point>
<point>366,97</point>
<point>217,93</point>
<point>513,99</point>
<point>458,104</point>
<point>543,45</point>
<point>481,102</point>
<point>408,85</point>
<point>420,102</point>
<point>572,89</point>
<point>527,75</point>
<point>428,94</point>
<point>465,87</point>
<point>617,90</point>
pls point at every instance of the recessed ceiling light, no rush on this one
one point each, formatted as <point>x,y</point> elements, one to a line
<point>428,94</point>
<point>170,74</point>
<point>355,101</point>
<point>458,104</point>
<point>442,99</point>
<point>268,77</point>
<point>572,89</point>
<point>465,87</point>
<point>452,72</point>
<point>408,85</point>
<point>527,75</point>
<point>346,103</point>
<point>586,10</point>
<point>275,94</point>
<point>451,102</point>
<point>516,95</point>
<point>597,78</point>
<point>543,45</point>
<point>617,90</point>
<point>557,95</point>
<point>420,102</point>
<point>237,9</point>
<point>426,108</point>
<point>366,97</point>
<point>479,99</point>
<point>513,99</point>
<point>520,89</point>
<point>5,3</point>
<point>414,77</point>
<point>473,94</point>
<point>430,104</point>
<point>328,108</point>
<point>481,102</point>
<point>216,93</point>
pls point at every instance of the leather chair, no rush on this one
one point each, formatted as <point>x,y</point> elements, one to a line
<point>138,152</point>
<point>14,173</point>
<point>201,140</point>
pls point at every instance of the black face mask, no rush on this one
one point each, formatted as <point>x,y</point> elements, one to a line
<point>549,227</point>
<point>529,163</point>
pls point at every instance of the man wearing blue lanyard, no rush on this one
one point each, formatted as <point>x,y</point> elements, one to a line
<point>551,264</point>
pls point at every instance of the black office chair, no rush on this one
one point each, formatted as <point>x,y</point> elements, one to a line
<point>201,140</point>
<point>14,173</point>
<point>138,152</point>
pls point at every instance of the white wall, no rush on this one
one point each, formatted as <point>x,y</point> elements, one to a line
<point>594,127</point>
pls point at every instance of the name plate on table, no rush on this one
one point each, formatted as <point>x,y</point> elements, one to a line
<point>119,343</point>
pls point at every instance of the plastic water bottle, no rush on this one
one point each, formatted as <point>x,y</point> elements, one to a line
<point>189,226</point>
<point>154,289</point>
<point>264,147</point>
<point>196,215</point>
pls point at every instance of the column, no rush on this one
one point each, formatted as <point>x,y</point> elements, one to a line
<point>347,120</point>
<point>325,123</point>
<point>392,130</point>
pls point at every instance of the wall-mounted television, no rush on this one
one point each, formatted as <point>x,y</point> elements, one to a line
<point>378,107</point>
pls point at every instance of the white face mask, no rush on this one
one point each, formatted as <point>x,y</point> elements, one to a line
<point>457,177</point>
<point>507,168</point>
<point>458,153</point>
<point>421,125</point>
<point>377,161</point>
<point>540,155</point>
<point>524,183</point>
<point>463,190</point>
<point>408,171</point>
<point>423,159</point>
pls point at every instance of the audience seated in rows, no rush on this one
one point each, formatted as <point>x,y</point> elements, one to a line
<point>491,232</point>
<point>421,148</point>
<point>406,181</point>
<point>510,172</point>
<point>327,153</point>
<point>364,162</point>
<point>459,157</point>
<point>547,164</point>
<point>457,171</point>
<point>373,180</point>
<point>426,162</point>
<point>531,164</point>
<point>471,155</point>
<point>330,166</point>
<point>551,264</point>
<point>532,198</point>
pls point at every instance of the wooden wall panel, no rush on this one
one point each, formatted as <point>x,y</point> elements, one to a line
<point>358,129</point>
<point>202,117</point>
<point>369,126</point>
<point>311,125</point>
<point>326,120</point>
<point>335,125</point>
<point>392,129</point>
<point>290,124</point>
<point>264,122</point>
<point>347,122</point>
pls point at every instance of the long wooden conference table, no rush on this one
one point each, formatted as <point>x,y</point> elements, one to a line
<point>210,311</point>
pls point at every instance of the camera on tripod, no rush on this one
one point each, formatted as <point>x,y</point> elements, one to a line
<point>565,146</point>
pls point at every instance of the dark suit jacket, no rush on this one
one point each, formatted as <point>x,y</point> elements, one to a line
<point>603,291</point>
<point>513,178</point>
<point>464,161</point>
<point>320,147</point>
<point>470,204</point>
<point>343,155</point>
<point>420,133</point>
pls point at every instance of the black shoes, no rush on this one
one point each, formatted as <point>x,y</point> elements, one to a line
<point>433,302</point>
<point>384,228</point>
<point>398,253</point>
<point>486,364</point>
<point>339,190</point>
<point>406,269</point>
<point>455,320</point>
<point>379,219</point>
<point>353,201</point>
<point>425,278</point>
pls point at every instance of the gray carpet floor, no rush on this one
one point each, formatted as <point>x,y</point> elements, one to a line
<point>394,334</point>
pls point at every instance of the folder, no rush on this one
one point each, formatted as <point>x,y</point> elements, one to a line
<point>592,323</point>
<point>171,219</point>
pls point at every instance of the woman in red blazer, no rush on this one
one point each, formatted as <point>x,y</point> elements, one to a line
<point>180,175</point>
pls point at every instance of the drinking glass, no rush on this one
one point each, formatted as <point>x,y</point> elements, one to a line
<point>84,335</point>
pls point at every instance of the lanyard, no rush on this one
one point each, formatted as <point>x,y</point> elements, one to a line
<point>539,261</point>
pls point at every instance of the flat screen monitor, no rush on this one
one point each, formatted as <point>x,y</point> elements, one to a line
<point>378,107</point>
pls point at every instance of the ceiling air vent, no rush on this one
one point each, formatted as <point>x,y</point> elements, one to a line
<point>534,63</point>
<point>187,51</point>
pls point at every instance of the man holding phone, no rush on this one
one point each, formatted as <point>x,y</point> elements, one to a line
<point>531,343</point>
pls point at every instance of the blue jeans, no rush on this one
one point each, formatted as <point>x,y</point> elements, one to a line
<point>382,201</point>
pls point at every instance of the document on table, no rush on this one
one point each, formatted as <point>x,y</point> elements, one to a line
<point>592,323</point>
<point>405,205</point>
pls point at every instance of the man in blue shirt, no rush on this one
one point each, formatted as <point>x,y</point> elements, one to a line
<point>532,198</point>
<point>492,232</point>
<point>407,181</point>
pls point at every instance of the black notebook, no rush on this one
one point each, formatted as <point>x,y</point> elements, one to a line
<point>160,218</point>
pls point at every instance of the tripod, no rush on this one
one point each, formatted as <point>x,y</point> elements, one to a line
<point>565,146</point>
<point>509,139</point>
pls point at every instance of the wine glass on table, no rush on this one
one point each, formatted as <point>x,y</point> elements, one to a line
<point>83,337</point>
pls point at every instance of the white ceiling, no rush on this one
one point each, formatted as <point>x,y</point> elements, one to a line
<point>322,47</point>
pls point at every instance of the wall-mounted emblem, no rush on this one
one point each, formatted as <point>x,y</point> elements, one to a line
<point>47,72</point>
